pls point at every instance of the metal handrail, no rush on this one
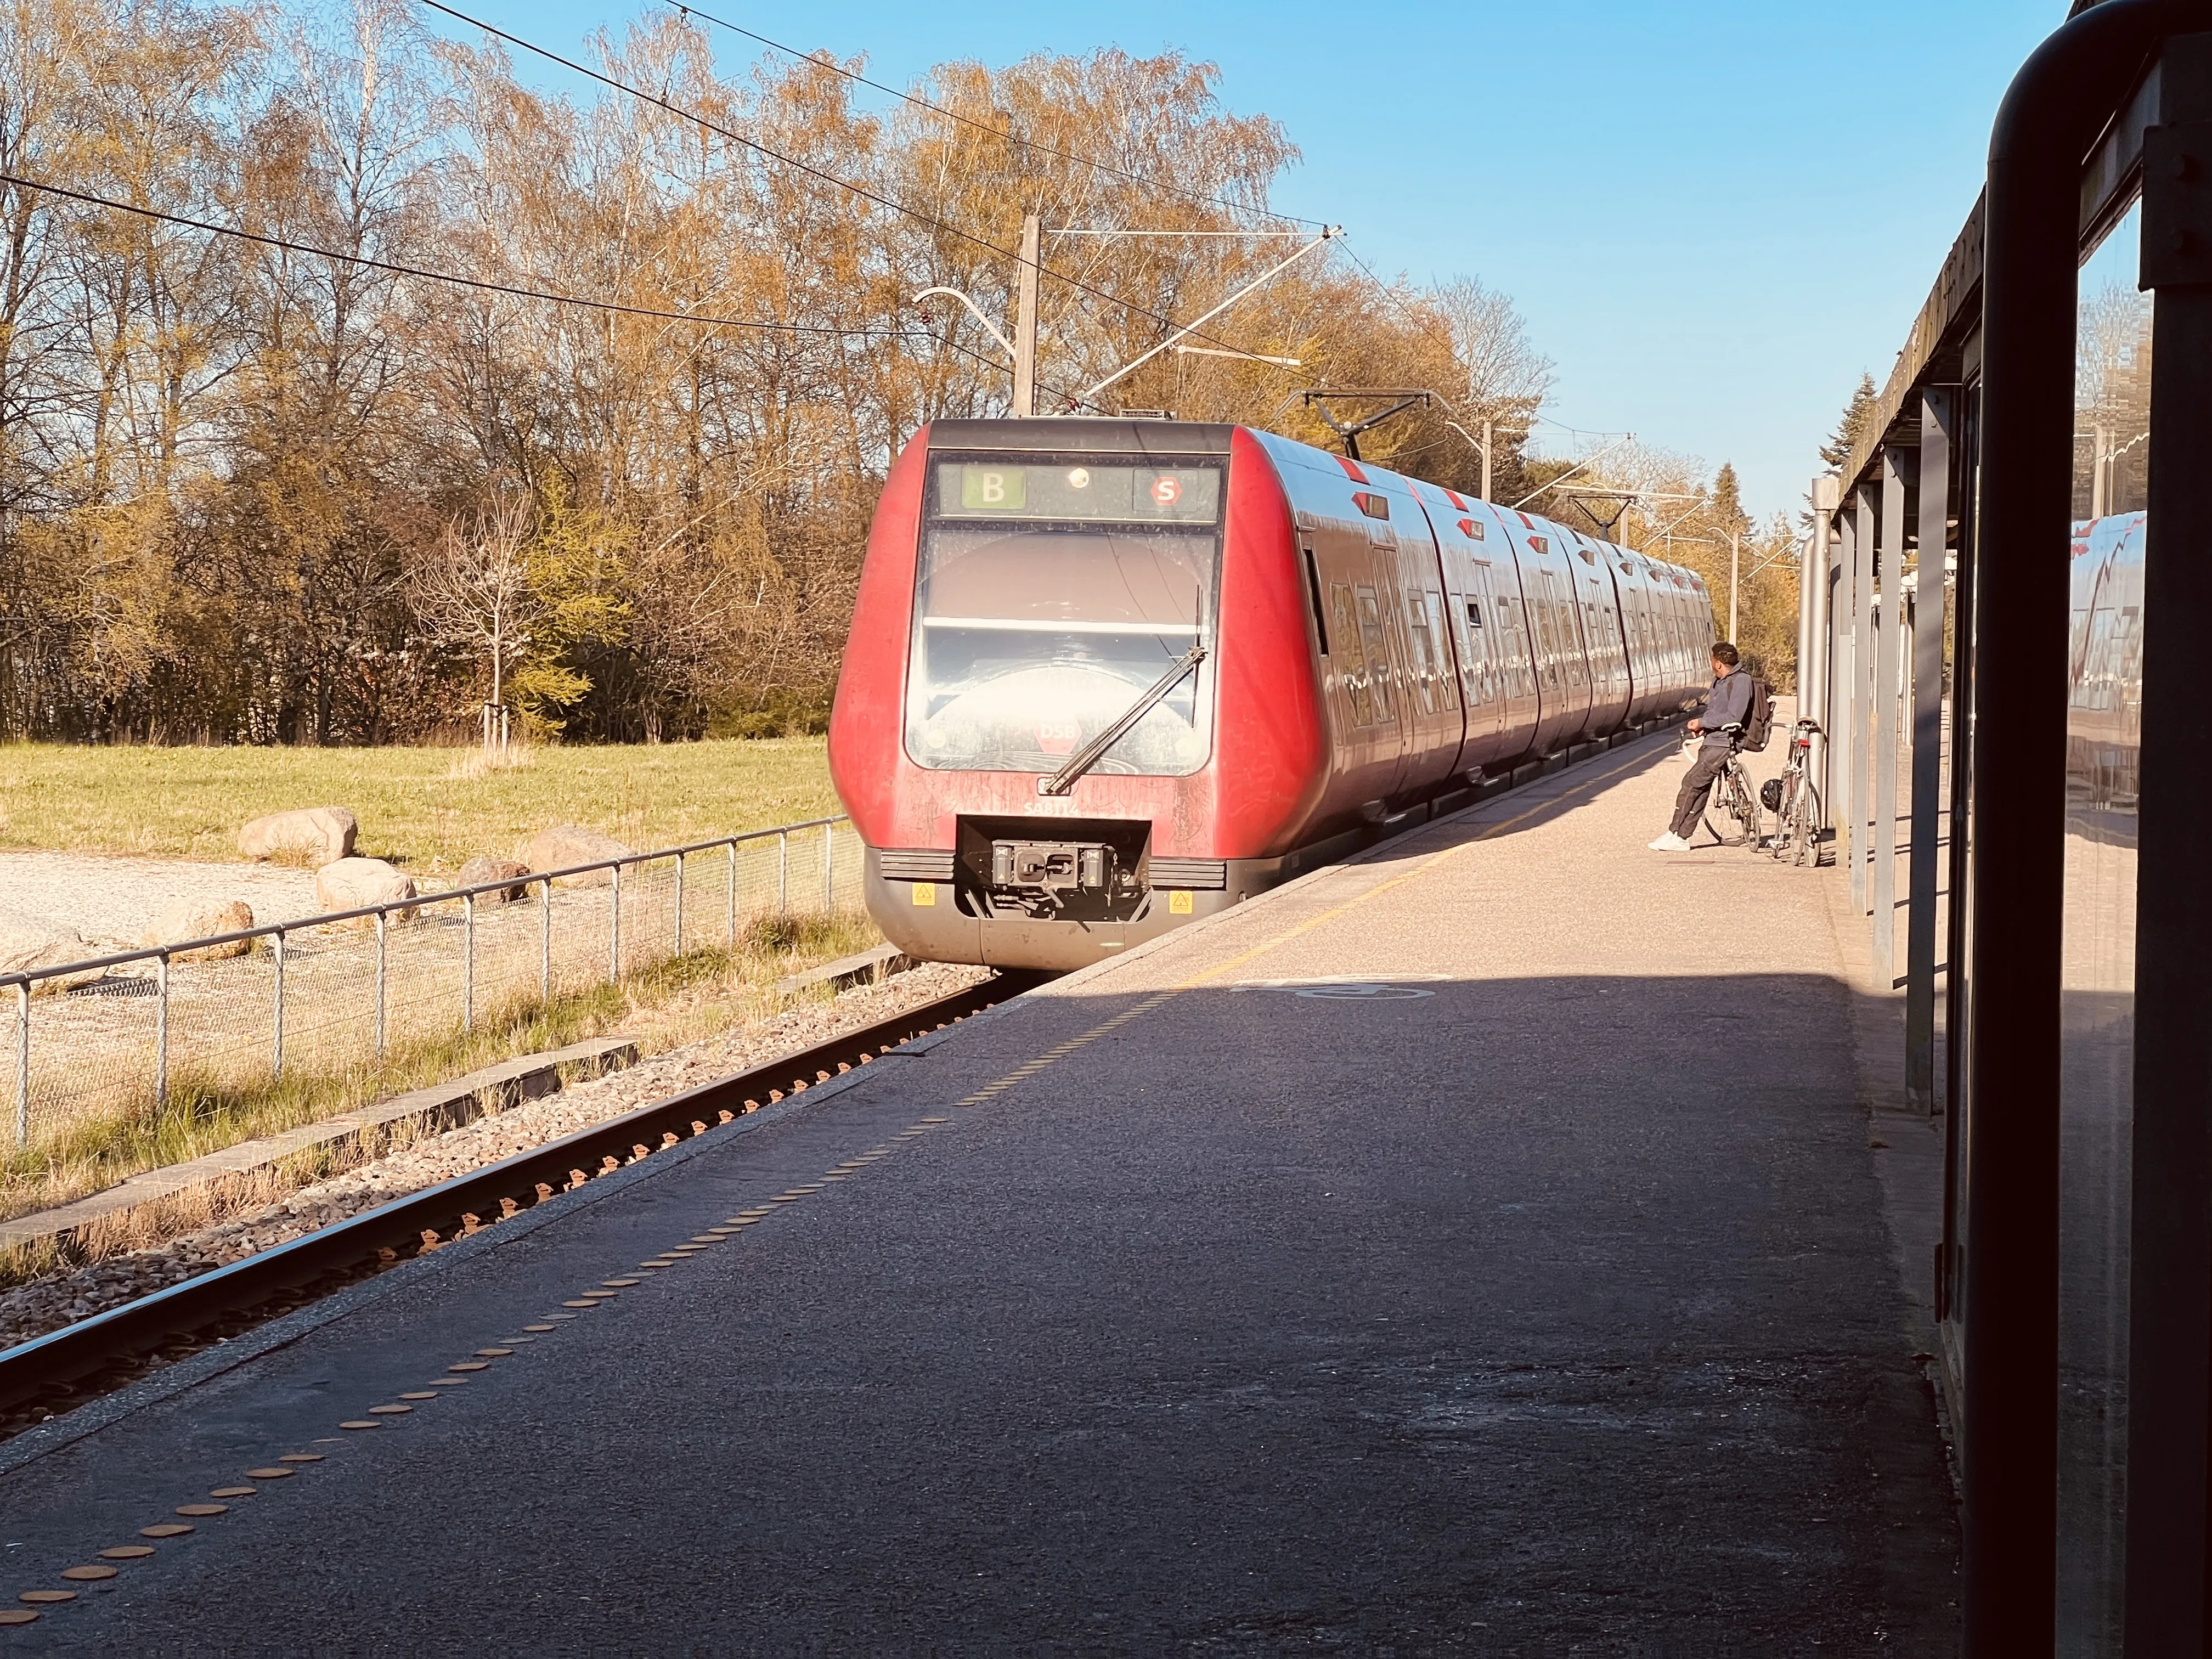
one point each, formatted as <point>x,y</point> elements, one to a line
<point>22,981</point>
<point>324,919</point>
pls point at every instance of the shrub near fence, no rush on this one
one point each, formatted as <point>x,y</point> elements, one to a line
<point>123,1033</point>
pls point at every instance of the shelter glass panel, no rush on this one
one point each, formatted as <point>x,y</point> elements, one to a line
<point>2112,363</point>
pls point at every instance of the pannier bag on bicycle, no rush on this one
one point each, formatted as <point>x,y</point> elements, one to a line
<point>1759,719</point>
<point>1770,794</point>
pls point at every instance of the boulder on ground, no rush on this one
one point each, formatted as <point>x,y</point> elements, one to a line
<point>183,920</point>
<point>28,942</point>
<point>565,844</point>
<point>313,834</point>
<point>484,868</point>
<point>355,884</point>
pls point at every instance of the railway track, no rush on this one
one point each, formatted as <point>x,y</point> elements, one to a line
<point>63,1368</point>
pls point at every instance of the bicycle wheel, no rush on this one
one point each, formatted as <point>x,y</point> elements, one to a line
<point>1785,811</point>
<point>1736,804</point>
<point>1808,826</point>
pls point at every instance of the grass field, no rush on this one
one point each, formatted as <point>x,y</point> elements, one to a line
<point>430,809</point>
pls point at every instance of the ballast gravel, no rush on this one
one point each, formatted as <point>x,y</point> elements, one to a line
<point>32,1310</point>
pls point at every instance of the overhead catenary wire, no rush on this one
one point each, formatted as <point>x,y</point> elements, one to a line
<point>1092,162</point>
<point>1428,326</point>
<point>483,284</point>
<point>861,191</point>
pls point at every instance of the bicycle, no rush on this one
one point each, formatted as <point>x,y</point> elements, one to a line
<point>1732,795</point>
<point>1795,801</point>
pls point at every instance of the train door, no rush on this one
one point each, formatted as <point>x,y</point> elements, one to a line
<point>1686,629</point>
<point>1517,652</point>
<point>1512,709</point>
<point>1477,692</point>
<point>1654,682</point>
<point>1562,669</point>
<point>1597,608</point>
<point>1666,666</point>
<point>1359,679</point>
<point>1435,721</point>
<point>1634,595</point>
<point>1574,655</point>
<point>1539,625</point>
<point>1677,632</point>
<point>1463,639</point>
<point>1620,568</point>
<point>1670,673</point>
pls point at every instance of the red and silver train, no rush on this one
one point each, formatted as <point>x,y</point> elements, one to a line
<point>1106,675</point>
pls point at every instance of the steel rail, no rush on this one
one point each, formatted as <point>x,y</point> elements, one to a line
<point>54,1366</point>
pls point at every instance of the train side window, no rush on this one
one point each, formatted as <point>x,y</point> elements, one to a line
<point>1474,649</point>
<point>1313,587</point>
<point>1569,646</point>
<point>1423,653</point>
<point>1546,629</point>
<point>1352,661</point>
<point>1439,631</point>
<point>1375,647</point>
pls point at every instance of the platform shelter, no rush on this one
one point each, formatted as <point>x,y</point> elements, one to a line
<point>2003,631</point>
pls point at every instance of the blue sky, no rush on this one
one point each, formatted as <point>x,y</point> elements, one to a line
<point>1713,214</point>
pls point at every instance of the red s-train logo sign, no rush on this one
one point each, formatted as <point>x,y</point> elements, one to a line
<point>1058,736</point>
<point>1167,491</point>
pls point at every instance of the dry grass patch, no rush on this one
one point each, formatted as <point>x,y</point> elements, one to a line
<point>430,809</point>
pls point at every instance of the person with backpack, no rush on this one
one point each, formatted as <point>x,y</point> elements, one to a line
<point>1736,700</point>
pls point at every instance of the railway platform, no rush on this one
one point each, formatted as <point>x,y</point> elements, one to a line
<point>1484,1246</point>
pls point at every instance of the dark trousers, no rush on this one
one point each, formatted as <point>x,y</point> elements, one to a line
<point>1697,787</point>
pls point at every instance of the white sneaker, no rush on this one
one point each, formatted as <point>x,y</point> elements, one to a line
<point>1669,842</point>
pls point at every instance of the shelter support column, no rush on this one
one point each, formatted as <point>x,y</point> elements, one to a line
<point>1843,614</point>
<point>1889,620</point>
<point>1816,660</point>
<point>1805,568</point>
<point>2169,1397</point>
<point>1863,653</point>
<point>1938,417</point>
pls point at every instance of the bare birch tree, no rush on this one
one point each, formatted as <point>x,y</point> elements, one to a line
<point>472,593</point>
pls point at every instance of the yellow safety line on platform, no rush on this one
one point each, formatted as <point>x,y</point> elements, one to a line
<point>606,1293</point>
<point>1380,888</point>
<point>1030,1069</point>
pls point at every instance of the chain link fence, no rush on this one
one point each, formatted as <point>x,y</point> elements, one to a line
<point>314,997</point>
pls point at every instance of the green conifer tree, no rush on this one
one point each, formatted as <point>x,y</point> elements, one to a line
<point>1857,413</point>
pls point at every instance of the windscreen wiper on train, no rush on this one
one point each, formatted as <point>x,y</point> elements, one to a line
<point>1095,750</point>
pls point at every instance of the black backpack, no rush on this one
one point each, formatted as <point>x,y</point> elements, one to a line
<point>1758,718</point>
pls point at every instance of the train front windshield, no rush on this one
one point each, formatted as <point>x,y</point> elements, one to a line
<point>1049,598</point>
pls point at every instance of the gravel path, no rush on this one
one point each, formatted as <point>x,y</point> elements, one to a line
<point>112,900</point>
<point>45,1304</point>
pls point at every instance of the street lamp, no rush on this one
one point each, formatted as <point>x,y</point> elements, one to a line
<point>1023,347</point>
<point>1735,566</point>
<point>1481,447</point>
